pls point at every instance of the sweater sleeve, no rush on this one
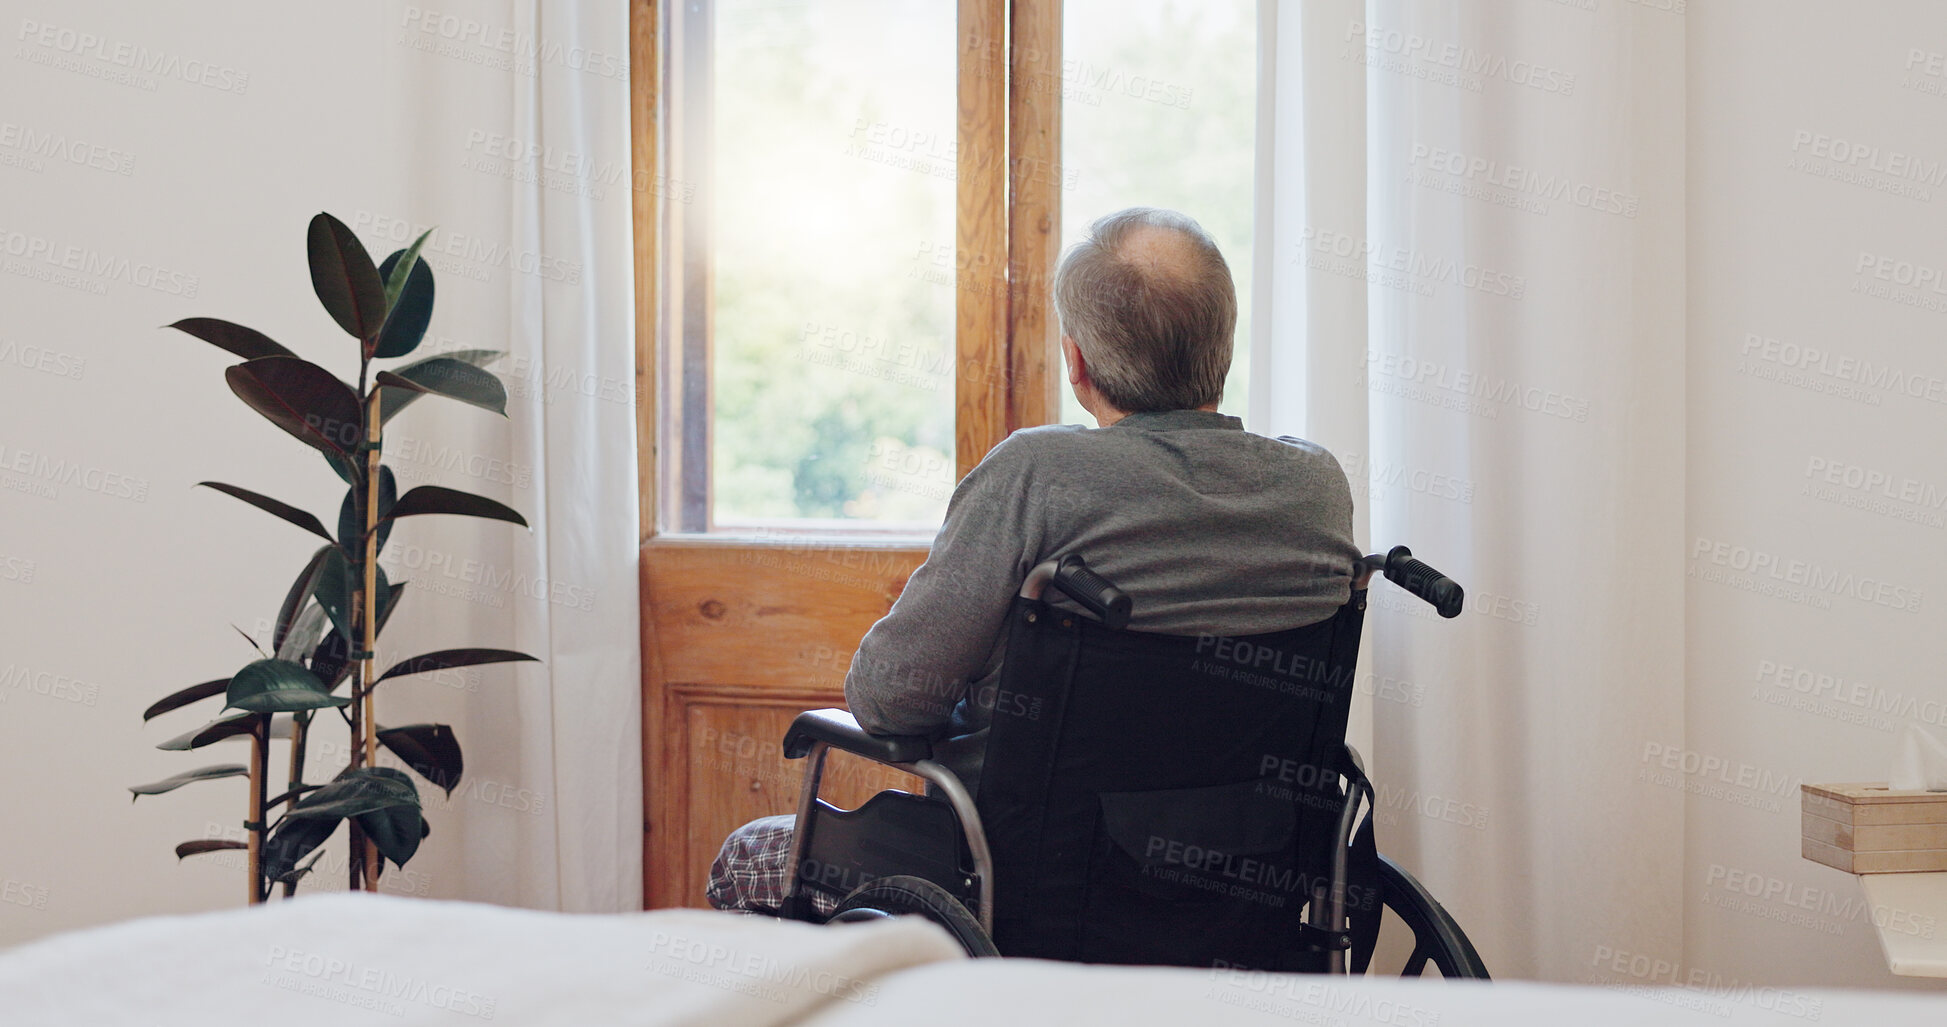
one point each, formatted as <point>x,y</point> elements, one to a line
<point>914,665</point>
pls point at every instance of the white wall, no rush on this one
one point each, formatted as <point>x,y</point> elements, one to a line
<point>1793,235</point>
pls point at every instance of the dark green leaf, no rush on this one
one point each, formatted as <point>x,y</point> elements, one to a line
<point>343,277</point>
<point>170,784</point>
<point>306,630</point>
<point>202,845</point>
<point>452,658</point>
<point>391,401</point>
<point>409,305</point>
<point>291,841</point>
<point>303,399</point>
<point>395,830</point>
<point>351,515</point>
<point>386,602</point>
<point>278,686</point>
<point>429,749</point>
<point>332,663</point>
<point>298,874</point>
<point>435,499</point>
<point>177,700</point>
<point>444,376</point>
<point>357,791</point>
<point>344,465</point>
<point>302,518</point>
<point>215,731</point>
<point>247,343</point>
<point>299,593</point>
<point>337,589</point>
<point>395,275</point>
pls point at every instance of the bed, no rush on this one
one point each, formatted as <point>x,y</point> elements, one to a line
<point>349,960</point>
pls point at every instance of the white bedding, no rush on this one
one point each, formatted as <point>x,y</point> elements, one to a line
<point>1013,992</point>
<point>347,960</point>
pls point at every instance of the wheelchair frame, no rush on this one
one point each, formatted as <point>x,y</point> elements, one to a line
<point>815,732</point>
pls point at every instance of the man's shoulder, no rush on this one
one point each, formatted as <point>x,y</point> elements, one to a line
<point>1040,443</point>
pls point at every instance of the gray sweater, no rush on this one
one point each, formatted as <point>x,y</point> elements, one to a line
<point>1207,527</point>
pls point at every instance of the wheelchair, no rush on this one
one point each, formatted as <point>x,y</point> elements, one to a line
<point>1145,799</point>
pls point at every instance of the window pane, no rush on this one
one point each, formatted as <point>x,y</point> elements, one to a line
<point>833,203</point>
<point>1159,110</point>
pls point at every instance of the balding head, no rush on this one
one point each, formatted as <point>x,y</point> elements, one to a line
<point>1148,300</point>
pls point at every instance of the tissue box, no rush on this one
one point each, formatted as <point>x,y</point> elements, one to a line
<point>1868,829</point>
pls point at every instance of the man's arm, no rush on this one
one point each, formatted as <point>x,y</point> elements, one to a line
<point>914,665</point>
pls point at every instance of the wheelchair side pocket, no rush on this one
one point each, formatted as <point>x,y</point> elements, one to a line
<point>1194,845</point>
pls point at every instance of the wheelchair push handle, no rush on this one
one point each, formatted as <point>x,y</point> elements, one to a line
<point>1107,602</point>
<point>1416,577</point>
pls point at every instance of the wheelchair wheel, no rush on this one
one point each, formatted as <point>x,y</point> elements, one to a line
<point>1437,937</point>
<point>901,894</point>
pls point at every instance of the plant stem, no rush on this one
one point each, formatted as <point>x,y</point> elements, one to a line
<point>362,485</point>
<point>300,733</point>
<point>370,742</point>
<point>259,779</point>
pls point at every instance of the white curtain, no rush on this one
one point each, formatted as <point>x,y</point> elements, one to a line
<point>519,115</point>
<point>1470,287</point>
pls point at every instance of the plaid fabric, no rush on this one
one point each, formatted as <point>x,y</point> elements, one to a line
<point>753,868</point>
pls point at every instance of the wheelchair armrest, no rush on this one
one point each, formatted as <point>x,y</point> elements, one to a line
<point>840,730</point>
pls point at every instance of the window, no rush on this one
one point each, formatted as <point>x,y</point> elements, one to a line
<point>1159,110</point>
<point>815,299</point>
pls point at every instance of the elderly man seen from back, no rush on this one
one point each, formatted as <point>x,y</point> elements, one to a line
<point>1211,528</point>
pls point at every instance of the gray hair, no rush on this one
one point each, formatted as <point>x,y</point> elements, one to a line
<point>1153,317</point>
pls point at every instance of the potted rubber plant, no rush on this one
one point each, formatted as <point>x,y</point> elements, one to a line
<point>321,661</point>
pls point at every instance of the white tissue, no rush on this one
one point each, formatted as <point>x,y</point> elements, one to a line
<point>1919,762</point>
